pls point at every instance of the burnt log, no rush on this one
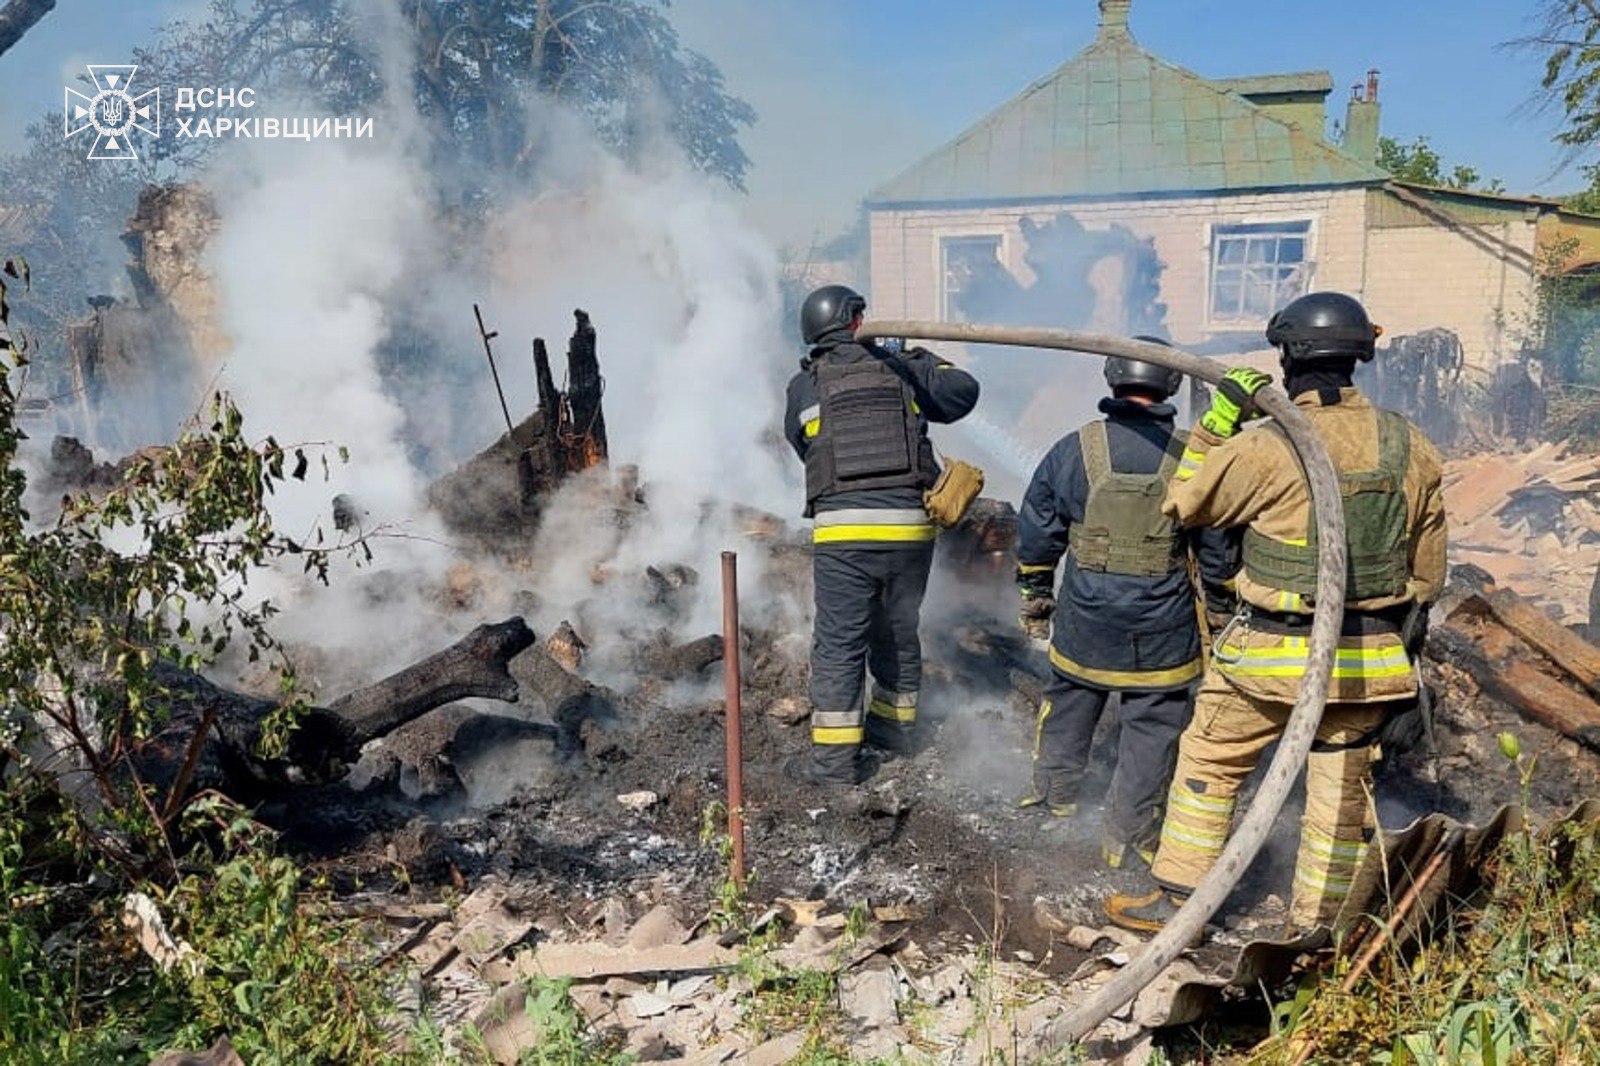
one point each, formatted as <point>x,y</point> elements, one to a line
<point>1497,661</point>
<point>665,659</point>
<point>586,446</point>
<point>213,737</point>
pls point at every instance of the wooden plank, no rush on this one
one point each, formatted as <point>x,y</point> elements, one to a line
<point>1489,653</point>
<point>1557,643</point>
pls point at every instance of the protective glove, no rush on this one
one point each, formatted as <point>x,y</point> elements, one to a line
<point>1038,600</point>
<point>1220,604</point>
<point>1234,401</point>
<point>1034,618</point>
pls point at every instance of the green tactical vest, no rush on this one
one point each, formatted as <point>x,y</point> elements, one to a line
<point>1375,529</point>
<point>1123,530</point>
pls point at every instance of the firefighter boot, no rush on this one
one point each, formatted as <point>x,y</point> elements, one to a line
<point>1117,853</point>
<point>1146,909</point>
<point>829,766</point>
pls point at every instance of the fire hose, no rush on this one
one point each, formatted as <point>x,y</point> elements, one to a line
<point>1300,730</point>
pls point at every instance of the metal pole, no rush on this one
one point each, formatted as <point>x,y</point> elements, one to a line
<point>489,351</point>
<point>730,679</point>
<point>1299,731</point>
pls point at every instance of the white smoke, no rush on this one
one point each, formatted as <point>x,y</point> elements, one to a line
<point>319,244</point>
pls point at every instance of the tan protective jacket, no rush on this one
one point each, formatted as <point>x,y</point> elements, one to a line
<point>1253,479</point>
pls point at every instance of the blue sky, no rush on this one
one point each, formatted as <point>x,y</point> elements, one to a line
<point>851,92</point>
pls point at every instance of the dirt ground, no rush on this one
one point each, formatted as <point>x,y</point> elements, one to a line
<point>535,805</point>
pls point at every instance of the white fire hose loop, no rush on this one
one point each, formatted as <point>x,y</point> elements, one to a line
<point>1300,730</point>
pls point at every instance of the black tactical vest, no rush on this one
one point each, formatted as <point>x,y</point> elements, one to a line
<point>869,434</point>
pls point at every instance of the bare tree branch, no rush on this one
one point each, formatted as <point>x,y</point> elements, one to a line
<point>18,17</point>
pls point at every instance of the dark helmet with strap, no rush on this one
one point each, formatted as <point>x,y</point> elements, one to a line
<point>1131,373</point>
<point>829,308</point>
<point>1324,325</point>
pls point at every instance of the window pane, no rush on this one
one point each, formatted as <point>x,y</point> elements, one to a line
<point>1263,250</point>
<point>1230,251</point>
<point>1292,250</point>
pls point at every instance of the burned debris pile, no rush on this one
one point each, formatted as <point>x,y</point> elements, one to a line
<point>1530,520</point>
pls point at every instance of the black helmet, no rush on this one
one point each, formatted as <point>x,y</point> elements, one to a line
<point>829,308</point>
<point>1324,325</point>
<point>1131,373</point>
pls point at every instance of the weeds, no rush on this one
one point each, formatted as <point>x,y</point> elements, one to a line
<point>1509,979</point>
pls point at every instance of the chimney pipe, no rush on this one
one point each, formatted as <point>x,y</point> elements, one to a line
<point>1361,121</point>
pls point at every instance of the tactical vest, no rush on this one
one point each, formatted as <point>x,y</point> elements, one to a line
<point>1123,530</point>
<point>870,434</point>
<point>1376,529</point>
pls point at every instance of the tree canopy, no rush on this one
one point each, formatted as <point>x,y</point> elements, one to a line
<point>481,69</point>
<point>1418,162</point>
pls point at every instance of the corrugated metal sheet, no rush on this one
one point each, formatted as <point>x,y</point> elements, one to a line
<point>1118,121</point>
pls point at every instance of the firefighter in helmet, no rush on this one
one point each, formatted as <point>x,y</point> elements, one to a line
<point>1125,620</point>
<point>858,418</point>
<point>1395,531</point>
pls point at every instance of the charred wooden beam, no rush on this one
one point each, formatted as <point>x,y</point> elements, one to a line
<point>328,739</point>
<point>586,446</point>
<point>1494,659</point>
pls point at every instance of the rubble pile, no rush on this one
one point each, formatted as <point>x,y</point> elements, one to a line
<point>1530,520</point>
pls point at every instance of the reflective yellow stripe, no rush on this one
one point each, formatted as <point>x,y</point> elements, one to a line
<point>1177,675</point>
<point>1038,728</point>
<point>899,534</point>
<point>813,427</point>
<point>1178,796</point>
<point>1290,660</point>
<point>1189,465</point>
<point>1041,568</point>
<point>851,735</point>
<point>1184,836</point>
<point>888,710</point>
<point>915,409</point>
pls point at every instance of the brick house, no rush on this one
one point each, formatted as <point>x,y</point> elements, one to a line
<point>1124,193</point>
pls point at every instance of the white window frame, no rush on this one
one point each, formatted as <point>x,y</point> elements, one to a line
<point>1296,226</point>
<point>941,265</point>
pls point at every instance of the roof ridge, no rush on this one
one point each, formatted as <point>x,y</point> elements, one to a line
<point>1058,148</point>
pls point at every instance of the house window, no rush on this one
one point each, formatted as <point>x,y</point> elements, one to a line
<point>965,263</point>
<point>1257,268</point>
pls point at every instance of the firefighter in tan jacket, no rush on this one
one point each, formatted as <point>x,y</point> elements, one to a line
<point>1394,513</point>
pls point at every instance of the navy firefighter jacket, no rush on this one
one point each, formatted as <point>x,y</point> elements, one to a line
<point>1118,631</point>
<point>885,517</point>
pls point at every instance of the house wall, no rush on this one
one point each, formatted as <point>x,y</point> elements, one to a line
<point>906,269</point>
<point>1478,283</point>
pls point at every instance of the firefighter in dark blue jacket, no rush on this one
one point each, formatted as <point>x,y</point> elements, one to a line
<point>858,417</point>
<point>1125,619</point>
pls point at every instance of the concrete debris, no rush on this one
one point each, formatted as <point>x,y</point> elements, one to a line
<point>658,928</point>
<point>649,1005</point>
<point>590,960</point>
<point>140,914</point>
<point>640,801</point>
<point>869,996</point>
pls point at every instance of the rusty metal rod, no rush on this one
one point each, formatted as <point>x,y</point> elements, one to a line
<point>730,681</point>
<point>1301,728</point>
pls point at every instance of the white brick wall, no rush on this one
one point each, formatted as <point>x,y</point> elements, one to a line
<point>1410,278</point>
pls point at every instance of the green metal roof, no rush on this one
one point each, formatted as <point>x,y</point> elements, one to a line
<point>1308,83</point>
<point>1116,121</point>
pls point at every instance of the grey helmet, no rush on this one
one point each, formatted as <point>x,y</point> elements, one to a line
<point>829,308</point>
<point>1131,373</point>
